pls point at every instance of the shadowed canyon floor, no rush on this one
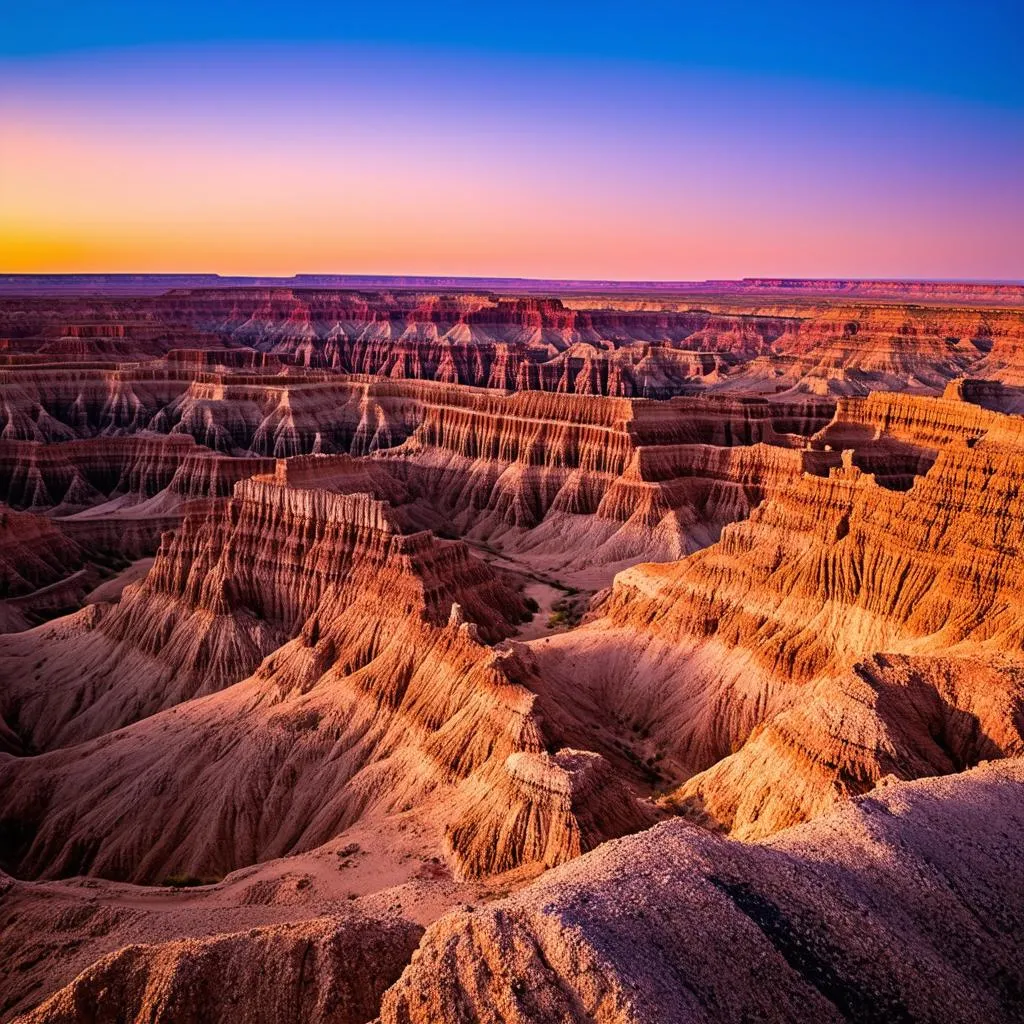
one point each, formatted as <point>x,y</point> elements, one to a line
<point>419,656</point>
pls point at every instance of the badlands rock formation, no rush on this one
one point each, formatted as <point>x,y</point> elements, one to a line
<point>769,656</point>
<point>845,340</point>
<point>901,906</point>
<point>663,660</point>
<point>319,969</point>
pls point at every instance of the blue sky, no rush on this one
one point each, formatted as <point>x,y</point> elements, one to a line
<point>945,48</point>
<point>630,140</point>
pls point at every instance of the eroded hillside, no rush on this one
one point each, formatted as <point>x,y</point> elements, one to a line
<point>568,631</point>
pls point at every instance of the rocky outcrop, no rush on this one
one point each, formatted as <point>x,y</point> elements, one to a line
<point>894,345</point>
<point>35,553</point>
<point>328,969</point>
<point>50,404</point>
<point>543,809</point>
<point>219,599</point>
<point>68,477</point>
<point>857,339</point>
<point>890,717</point>
<point>97,505</point>
<point>743,640</point>
<point>900,906</point>
<point>376,715</point>
<point>855,350</point>
<point>323,686</point>
<point>488,461</point>
<point>49,566</point>
<point>409,334</point>
<point>623,479</point>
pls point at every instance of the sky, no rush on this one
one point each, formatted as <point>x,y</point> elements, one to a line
<point>630,141</point>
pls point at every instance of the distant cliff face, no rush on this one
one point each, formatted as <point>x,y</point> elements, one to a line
<point>604,345</point>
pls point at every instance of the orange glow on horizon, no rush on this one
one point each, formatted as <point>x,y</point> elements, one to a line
<point>192,198</point>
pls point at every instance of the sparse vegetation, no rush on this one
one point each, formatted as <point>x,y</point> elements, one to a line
<point>568,610</point>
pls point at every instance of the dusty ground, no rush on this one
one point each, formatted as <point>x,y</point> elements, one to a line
<point>110,590</point>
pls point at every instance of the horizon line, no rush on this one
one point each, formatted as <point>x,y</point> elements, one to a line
<point>763,280</point>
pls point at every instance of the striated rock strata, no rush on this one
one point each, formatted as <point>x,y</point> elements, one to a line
<point>384,698</point>
<point>772,655</point>
<point>899,906</point>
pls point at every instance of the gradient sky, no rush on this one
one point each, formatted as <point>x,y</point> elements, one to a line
<point>633,141</point>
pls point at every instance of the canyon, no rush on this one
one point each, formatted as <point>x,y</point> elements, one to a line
<point>412,653</point>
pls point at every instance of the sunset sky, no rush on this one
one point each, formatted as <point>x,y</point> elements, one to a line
<point>633,141</point>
